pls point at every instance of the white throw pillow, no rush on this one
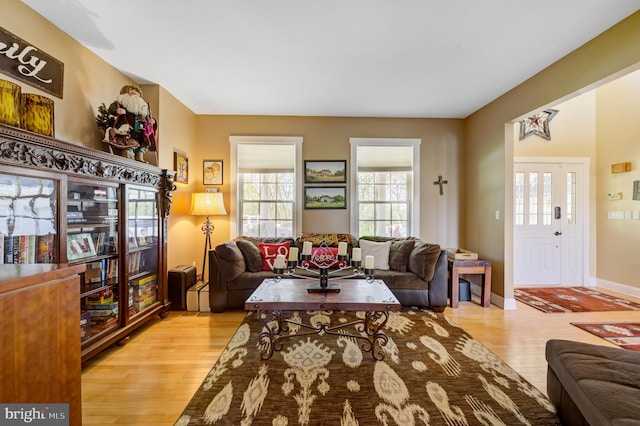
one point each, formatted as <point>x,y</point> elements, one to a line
<point>379,251</point>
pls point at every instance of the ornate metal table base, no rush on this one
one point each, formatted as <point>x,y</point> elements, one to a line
<point>370,326</point>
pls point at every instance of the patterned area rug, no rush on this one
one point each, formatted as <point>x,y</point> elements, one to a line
<point>572,299</point>
<point>433,373</point>
<point>623,334</point>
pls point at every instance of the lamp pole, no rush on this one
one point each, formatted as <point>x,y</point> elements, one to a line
<point>207,229</point>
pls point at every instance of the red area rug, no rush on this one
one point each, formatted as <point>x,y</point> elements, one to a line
<point>572,299</point>
<point>624,334</point>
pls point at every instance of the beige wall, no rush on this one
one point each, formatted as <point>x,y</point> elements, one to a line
<point>475,155</point>
<point>618,117</point>
<point>327,138</point>
<point>490,139</point>
<point>573,136</point>
<point>88,80</point>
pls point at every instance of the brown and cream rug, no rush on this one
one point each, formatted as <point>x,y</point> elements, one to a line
<point>433,373</point>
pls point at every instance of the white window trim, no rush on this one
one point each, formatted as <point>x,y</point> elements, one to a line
<point>415,195</point>
<point>233,171</point>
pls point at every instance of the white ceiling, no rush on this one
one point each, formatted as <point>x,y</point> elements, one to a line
<point>373,58</point>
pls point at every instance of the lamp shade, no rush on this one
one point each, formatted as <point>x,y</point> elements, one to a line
<point>207,204</point>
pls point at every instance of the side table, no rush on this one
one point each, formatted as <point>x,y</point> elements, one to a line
<point>477,267</point>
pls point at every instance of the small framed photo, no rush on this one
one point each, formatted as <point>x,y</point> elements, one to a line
<point>80,246</point>
<point>181,166</point>
<point>325,197</point>
<point>329,171</point>
<point>212,172</point>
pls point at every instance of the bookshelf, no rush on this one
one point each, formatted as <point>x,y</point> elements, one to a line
<point>67,204</point>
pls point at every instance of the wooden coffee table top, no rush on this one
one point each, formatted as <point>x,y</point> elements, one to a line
<point>292,295</point>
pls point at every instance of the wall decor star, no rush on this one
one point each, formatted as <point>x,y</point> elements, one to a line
<point>537,124</point>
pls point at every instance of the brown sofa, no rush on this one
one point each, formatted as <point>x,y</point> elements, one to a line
<point>417,275</point>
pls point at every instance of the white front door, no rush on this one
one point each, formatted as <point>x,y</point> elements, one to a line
<point>549,224</point>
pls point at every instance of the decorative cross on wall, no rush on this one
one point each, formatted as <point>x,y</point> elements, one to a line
<point>441,183</point>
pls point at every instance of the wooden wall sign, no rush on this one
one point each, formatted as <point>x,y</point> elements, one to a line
<point>26,63</point>
<point>621,167</point>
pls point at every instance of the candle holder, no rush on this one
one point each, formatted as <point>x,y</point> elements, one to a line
<point>322,266</point>
<point>368,273</point>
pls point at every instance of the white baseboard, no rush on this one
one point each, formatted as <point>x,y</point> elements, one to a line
<point>619,288</point>
<point>508,304</point>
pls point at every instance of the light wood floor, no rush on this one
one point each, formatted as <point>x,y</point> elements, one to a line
<point>151,379</point>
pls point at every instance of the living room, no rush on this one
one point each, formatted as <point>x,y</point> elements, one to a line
<point>473,154</point>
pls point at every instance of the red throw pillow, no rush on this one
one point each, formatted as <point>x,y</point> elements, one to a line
<point>270,251</point>
<point>327,259</point>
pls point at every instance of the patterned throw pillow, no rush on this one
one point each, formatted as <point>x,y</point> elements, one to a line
<point>269,252</point>
<point>331,240</point>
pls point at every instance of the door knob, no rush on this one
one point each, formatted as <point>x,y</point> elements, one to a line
<point>557,233</point>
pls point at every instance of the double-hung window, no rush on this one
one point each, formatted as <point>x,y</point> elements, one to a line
<point>267,188</point>
<point>385,198</point>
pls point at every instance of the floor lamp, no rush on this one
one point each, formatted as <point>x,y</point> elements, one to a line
<point>207,204</point>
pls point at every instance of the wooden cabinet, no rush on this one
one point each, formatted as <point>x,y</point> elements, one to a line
<point>63,203</point>
<point>40,337</point>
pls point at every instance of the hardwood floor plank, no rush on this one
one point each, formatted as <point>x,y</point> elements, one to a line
<point>151,379</point>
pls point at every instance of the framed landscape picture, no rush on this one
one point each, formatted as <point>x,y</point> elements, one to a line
<point>328,171</point>
<point>212,172</point>
<point>325,197</point>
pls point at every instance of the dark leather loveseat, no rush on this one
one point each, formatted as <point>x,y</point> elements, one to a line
<point>417,275</point>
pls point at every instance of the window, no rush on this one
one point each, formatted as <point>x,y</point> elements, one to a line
<point>266,185</point>
<point>385,198</point>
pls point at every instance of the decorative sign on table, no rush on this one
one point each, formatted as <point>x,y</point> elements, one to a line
<point>25,62</point>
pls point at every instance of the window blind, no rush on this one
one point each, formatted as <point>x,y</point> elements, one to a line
<point>387,158</point>
<point>266,158</point>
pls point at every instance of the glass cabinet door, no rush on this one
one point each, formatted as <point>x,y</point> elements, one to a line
<point>92,238</point>
<point>142,240</point>
<point>28,219</point>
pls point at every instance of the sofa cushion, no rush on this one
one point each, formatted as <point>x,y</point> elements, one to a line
<point>379,251</point>
<point>251,254</point>
<point>399,253</point>
<point>423,259</point>
<point>231,260</point>
<point>269,252</point>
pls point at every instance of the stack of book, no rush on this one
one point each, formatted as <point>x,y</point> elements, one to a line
<point>144,292</point>
<point>102,309</point>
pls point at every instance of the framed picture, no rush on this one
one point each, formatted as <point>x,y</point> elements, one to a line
<point>325,197</point>
<point>329,171</point>
<point>80,246</point>
<point>181,166</point>
<point>212,172</point>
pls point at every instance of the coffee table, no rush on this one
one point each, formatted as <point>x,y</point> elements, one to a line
<point>274,297</point>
